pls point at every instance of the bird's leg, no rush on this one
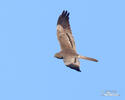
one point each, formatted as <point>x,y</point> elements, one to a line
<point>87,58</point>
<point>58,55</point>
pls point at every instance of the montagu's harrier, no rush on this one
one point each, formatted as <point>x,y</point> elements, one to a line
<point>68,50</point>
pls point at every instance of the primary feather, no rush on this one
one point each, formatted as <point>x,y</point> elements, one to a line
<point>68,50</point>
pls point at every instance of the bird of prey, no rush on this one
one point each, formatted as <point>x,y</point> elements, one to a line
<point>67,44</point>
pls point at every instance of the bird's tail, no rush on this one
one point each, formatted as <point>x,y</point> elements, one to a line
<point>87,58</point>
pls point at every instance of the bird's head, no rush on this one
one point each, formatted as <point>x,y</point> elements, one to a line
<point>58,55</point>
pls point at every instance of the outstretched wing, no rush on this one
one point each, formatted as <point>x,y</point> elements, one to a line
<point>64,32</point>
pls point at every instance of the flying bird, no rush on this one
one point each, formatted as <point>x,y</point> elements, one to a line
<point>67,44</point>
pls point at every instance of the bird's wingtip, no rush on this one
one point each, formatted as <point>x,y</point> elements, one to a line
<point>72,66</point>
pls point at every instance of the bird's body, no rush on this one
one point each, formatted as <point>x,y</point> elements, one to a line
<point>68,50</point>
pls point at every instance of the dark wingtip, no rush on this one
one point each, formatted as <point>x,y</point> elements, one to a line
<point>78,69</point>
<point>63,19</point>
<point>72,66</point>
<point>65,13</point>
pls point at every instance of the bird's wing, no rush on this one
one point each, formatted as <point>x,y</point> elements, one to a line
<point>72,62</point>
<point>64,33</point>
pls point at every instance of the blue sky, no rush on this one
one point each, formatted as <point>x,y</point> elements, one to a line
<point>28,42</point>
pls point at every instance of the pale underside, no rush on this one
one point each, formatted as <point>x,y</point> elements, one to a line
<point>65,38</point>
<point>67,44</point>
